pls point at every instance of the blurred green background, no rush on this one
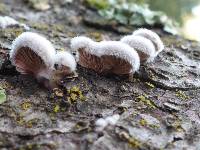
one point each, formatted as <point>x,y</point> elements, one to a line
<point>176,16</point>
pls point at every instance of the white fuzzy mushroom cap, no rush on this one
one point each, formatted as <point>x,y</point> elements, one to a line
<point>111,48</point>
<point>66,59</point>
<point>81,42</point>
<point>37,43</point>
<point>152,36</point>
<point>142,44</point>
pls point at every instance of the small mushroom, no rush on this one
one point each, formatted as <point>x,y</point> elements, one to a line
<point>143,46</point>
<point>146,42</point>
<point>106,56</point>
<point>152,36</point>
<point>34,55</point>
<point>64,66</point>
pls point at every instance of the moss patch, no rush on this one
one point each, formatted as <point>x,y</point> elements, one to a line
<point>26,105</point>
<point>182,95</point>
<point>134,143</point>
<point>74,94</point>
<point>143,122</point>
<point>146,101</point>
<point>150,85</point>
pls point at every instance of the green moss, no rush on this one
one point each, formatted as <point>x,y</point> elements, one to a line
<point>74,94</point>
<point>56,108</point>
<point>182,95</point>
<point>64,98</point>
<point>143,122</point>
<point>3,95</point>
<point>146,101</point>
<point>150,85</point>
<point>26,105</point>
<point>98,4</point>
<point>154,126</point>
<point>134,143</point>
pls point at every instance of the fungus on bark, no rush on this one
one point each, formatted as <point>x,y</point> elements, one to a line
<point>107,57</point>
<point>35,55</point>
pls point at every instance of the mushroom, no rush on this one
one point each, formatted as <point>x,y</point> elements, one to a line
<point>34,55</point>
<point>64,66</point>
<point>106,56</point>
<point>143,46</point>
<point>146,42</point>
<point>152,36</point>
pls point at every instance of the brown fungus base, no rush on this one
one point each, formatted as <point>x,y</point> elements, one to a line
<point>104,64</point>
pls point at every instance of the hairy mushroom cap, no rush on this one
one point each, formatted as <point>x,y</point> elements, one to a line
<point>64,58</point>
<point>152,36</point>
<point>107,48</point>
<point>64,66</point>
<point>119,50</point>
<point>36,43</point>
<point>143,46</point>
<point>79,43</point>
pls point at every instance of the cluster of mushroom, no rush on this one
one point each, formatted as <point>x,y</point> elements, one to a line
<point>35,55</point>
<point>118,57</point>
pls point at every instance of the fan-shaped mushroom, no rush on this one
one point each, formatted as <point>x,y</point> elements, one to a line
<point>106,56</point>
<point>152,36</point>
<point>146,42</point>
<point>35,55</point>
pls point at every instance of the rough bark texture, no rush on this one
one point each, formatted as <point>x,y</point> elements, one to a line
<point>159,109</point>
